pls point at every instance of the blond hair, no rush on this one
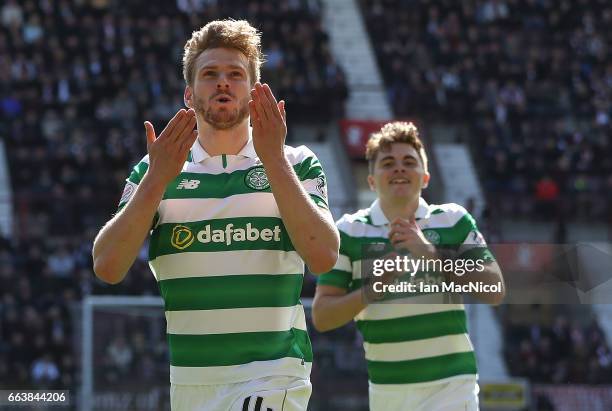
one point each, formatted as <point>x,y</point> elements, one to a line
<point>391,133</point>
<point>229,33</point>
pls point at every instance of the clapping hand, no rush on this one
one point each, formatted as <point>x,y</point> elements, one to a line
<point>269,122</point>
<point>167,153</point>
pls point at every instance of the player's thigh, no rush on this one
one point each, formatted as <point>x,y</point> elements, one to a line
<point>465,404</point>
<point>196,398</point>
<point>276,397</point>
<point>460,395</point>
<point>385,401</point>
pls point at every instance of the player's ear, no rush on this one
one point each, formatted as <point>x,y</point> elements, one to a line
<point>426,178</point>
<point>371,183</point>
<point>188,97</point>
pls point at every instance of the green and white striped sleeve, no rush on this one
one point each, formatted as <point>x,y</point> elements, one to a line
<point>311,175</point>
<point>131,184</point>
<point>341,275</point>
<point>474,245</point>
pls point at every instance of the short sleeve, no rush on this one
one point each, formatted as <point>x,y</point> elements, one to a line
<point>131,184</point>
<point>311,175</point>
<point>474,245</point>
<point>340,276</point>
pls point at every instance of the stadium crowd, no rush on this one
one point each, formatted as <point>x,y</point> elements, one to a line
<point>531,80</point>
<point>561,352</point>
<point>77,80</point>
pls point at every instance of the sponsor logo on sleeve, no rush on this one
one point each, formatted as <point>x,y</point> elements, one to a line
<point>476,237</point>
<point>322,187</point>
<point>128,191</point>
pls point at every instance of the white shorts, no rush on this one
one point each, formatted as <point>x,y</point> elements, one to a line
<point>264,394</point>
<point>454,395</point>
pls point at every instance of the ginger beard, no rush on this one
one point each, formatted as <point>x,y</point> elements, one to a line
<point>221,118</point>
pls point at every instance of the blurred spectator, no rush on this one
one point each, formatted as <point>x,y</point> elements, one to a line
<point>120,355</point>
<point>11,14</point>
<point>543,403</point>
<point>45,372</point>
<point>558,353</point>
<point>61,263</point>
<point>193,6</point>
<point>546,196</point>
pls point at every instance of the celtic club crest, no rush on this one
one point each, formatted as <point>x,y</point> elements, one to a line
<point>257,179</point>
<point>432,236</point>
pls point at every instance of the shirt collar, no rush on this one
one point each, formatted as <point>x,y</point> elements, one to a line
<point>198,154</point>
<point>379,218</point>
<point>249,149</point>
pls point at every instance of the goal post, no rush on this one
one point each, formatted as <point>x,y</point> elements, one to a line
<point>89,306</point>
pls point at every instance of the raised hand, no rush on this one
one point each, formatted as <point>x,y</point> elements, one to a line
<point>407,235</point>
<point>167,153</point>
<point>269,122</point>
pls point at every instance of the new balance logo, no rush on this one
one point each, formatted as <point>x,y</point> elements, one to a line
<point>188,184</point>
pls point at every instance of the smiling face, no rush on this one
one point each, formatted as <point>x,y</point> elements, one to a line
<point>398,174</point>
<point>221,86</point>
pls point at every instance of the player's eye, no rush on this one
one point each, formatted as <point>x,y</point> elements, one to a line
<point>208,73</point>
<point>236,74</point>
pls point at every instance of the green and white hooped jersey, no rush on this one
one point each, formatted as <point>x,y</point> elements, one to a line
<point>410,343</point>
<point>227,270</point>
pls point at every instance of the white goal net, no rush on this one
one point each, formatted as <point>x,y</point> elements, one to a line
<point>124,356</point>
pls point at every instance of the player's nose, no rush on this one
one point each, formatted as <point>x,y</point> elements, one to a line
<point>222,81</point>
